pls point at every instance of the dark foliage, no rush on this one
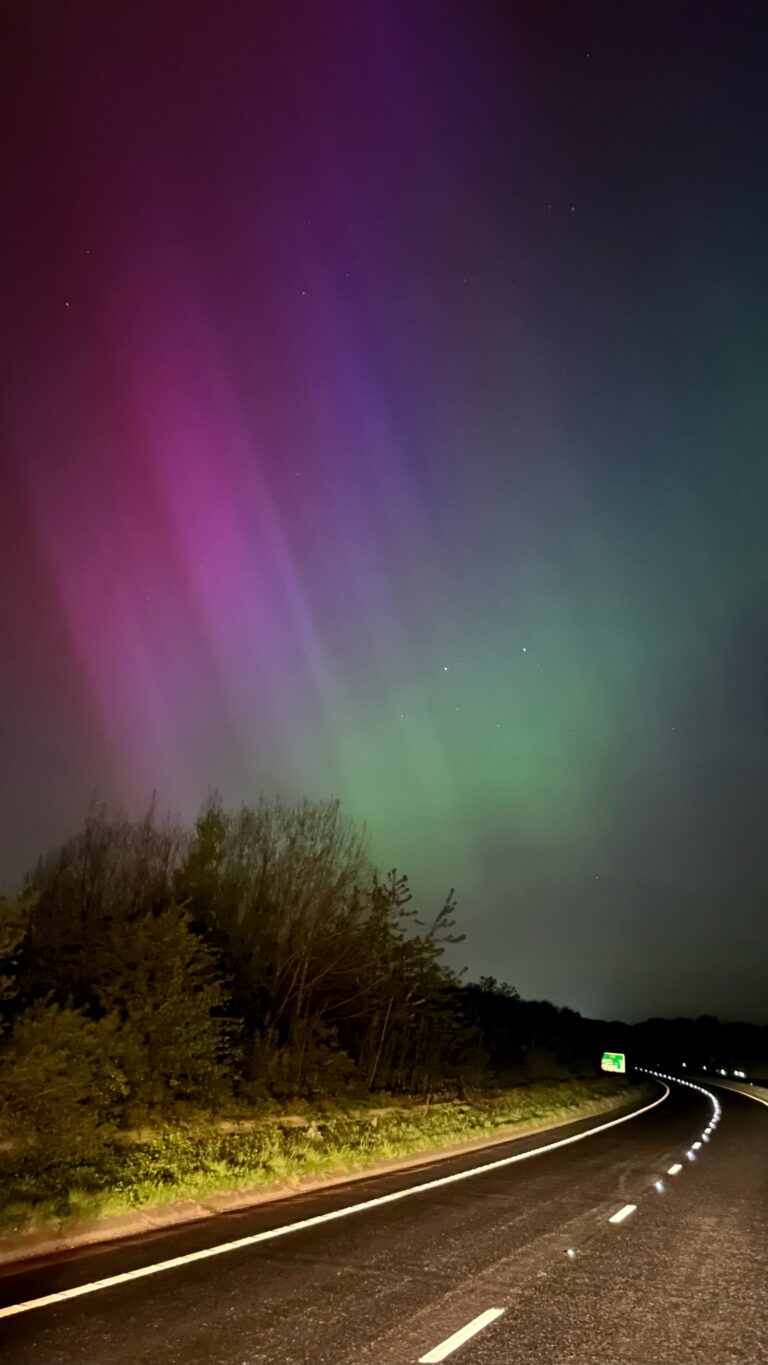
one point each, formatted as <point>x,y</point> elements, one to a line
<point>260,956</point>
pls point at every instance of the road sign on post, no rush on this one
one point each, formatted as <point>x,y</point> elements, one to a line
<point>614,1061</point>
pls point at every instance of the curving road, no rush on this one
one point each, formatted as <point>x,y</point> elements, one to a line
<point>463,1259</point>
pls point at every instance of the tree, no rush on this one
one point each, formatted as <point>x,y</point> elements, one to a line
<point>106,935</point>
<point>166,992</point>
<point>14,920</point>
<point>274,885</point>
<point>114,871</point>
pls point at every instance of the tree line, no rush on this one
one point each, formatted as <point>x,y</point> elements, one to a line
<point>259,955</point>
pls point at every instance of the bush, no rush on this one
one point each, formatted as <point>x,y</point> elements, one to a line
<point>60,1082</point>
<point>164,988</point>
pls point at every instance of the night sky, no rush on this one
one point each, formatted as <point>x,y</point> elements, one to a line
<point>385,417</point>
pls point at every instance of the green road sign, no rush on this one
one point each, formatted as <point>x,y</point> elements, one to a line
<point>614,1061</point>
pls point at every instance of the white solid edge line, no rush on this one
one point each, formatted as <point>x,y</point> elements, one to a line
<point>676,1169</point>
<point>757,1098</point>
<point>175,1262</point>
<point>464,1333</point>
<point>622,1213</point>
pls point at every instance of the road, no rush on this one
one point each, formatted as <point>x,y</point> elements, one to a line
<point>680,1278</point>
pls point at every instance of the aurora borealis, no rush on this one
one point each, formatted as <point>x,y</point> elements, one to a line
<point>386,417</point>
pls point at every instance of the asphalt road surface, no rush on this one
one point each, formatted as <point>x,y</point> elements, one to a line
<point>474,1269</point>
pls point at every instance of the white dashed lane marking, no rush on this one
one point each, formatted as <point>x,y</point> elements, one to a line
<point>452,1343</point>
<point>622,1213</point>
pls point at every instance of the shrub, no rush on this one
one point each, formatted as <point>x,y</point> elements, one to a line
<point>164,988</point>
<point>60,1082</point>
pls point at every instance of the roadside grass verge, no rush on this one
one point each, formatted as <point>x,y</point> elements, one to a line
<point>203,1157</point>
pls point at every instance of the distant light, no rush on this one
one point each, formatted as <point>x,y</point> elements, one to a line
<point>691,1156</point>
<point>570,1253</point>
<point>660,1186</point>
<point>685,1063</point>
<point>696,1146</point>
<point>675,1170</point>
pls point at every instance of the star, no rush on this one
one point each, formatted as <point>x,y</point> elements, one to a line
<point>525,649</point>
<point>446,667</point>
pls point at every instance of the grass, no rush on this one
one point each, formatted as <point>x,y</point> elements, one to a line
<point>201,1158</point>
